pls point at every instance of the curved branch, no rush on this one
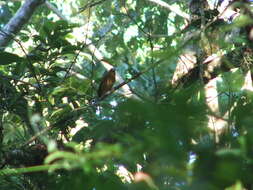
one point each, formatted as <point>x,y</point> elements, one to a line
<point>21,17</point>
<point>55,10</point>
<point>91,4</point>
<point>171,8</point>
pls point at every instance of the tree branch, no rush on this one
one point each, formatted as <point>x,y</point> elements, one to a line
<point>171,8</point>
<point>99,56</point>
<point>129,80</point>
<point>55,10</point>
<point>91,4</point>
<point>21,17</point>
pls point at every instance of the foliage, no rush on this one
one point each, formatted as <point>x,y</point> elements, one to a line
<point>56,134</point>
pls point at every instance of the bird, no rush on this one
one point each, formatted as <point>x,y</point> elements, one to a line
<point>106,83</point>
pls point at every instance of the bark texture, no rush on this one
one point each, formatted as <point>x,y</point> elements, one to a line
<point>16,23</point>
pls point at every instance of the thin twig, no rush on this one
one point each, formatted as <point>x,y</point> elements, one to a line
<point>153,69</point>
<point>129,80</point>
<point>32,69</point>
<point>135,22</point>
<point>90,5</point>
<point>17,80</point>
<point>84,44</point>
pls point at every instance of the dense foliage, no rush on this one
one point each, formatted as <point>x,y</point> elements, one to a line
<point>148,132</point>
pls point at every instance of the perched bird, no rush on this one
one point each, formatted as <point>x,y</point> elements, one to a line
<point>106,83</point>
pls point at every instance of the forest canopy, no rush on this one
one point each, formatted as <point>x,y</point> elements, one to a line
<point>126,94</point>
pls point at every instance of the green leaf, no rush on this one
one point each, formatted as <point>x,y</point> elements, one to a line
<point>82,135</point>
<point>232,81</point>
<point>81,86</point>
<point>9,58</point>
<point>61,112</point>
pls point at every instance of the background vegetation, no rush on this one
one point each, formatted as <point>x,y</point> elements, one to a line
<point>159,127</point>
